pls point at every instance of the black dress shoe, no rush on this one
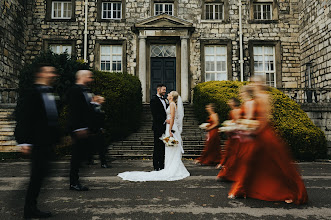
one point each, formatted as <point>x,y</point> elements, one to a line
<point>78,187</point>
<point>104,165</point>
<point>36,214</point>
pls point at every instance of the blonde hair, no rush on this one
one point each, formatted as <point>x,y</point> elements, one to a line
<point>174,96</point>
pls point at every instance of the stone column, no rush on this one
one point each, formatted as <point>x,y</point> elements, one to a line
<point>184,69</point>
<point>142,66</point>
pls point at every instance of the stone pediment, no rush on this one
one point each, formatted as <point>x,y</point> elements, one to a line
<point>163,21</point>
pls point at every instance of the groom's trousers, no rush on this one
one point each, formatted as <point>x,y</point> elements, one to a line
<point>158,154</point>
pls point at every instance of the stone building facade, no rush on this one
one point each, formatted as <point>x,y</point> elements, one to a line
<point>178,42</point>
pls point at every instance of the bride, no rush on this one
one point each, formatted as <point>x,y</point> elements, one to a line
<point>174,168</point>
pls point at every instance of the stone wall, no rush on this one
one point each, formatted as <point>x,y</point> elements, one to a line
<point>12,46</point>
<point>315,39</point>
<point>284,30</point>
<point>320,114</point>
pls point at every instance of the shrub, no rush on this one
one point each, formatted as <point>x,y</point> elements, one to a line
<point>123,106</point>
<point>122,91</point>
<point>306,141</point>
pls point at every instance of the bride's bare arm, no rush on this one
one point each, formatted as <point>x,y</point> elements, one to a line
<point>172,119</point>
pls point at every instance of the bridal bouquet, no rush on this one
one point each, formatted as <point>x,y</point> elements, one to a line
<point>204,126</point>
<point>240,124</point>
<point>169,141</point>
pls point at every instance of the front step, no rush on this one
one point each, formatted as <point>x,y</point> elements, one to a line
<point>141,143</point>
<point>7,127</point>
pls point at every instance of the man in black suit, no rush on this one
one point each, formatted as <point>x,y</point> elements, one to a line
<point>158,106</point>
<point>97,130</point>
<point>80,120</point>
<point>37,132</point>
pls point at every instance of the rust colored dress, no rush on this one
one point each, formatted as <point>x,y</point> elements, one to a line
<point>267,171</point>
<point>232,152</point>
<point>211,154</point>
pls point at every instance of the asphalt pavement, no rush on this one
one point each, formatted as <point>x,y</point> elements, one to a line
<point>196,197</point>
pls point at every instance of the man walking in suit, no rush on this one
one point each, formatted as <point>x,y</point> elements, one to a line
<point>80,120</point>
<point>158,106</point>
<point>37,132</point>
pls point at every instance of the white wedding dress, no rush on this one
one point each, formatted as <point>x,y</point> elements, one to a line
<point>174,168</point>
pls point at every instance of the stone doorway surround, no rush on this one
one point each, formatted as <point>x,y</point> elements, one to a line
<point>164,29</point>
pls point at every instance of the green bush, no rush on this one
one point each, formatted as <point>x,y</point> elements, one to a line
<point>306,141</point>
<point>123,106</point>
<point>122,91</point>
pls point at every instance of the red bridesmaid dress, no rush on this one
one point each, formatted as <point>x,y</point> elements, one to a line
<point>211,154</point>
<point>232,151</point>
<point>267,171</point>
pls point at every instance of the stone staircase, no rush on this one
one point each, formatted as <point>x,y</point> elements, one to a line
<point>7,127</point>
<point>141,143</point>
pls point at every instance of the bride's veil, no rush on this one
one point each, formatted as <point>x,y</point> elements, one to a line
<point>180,114</point>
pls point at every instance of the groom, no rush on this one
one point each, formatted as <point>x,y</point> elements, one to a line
<point>158,106</point>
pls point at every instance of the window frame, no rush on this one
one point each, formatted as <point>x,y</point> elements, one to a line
<point>225,15</point>
<point>163,8</point>
<point>227,44</point>
<point>72,43</point>
<point>277,58</point>
<point>214,11</point>
<point>274,11</point>
<point>264,71</point>
<point>100,11</point>
<point>174,9</point>
<point>97,52</point>
<point>49,11</point>
<point>111,55</point>
<point>111,11</point>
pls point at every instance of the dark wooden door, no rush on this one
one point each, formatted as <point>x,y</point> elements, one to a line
<point>163,70</point>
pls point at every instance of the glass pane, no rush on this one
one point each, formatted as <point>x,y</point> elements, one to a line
<point>257,50</point>
<point>268,50</point>
<point>209,50</point>
<point>108,66</point>
<point>221,76</point>
<point>117,50</point>
<point>209,12</point>
<point>208,76</point>
<point>212,76</point>
<point>105,49</point>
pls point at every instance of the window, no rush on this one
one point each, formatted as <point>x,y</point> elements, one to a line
<point>215,63</point>
<point>214,11</point>
<point>163,8</point>
<point>264,63</point>
<point>61,9</point>
<point>59,48</point>
<point>263,11</point>
<point>111,58</point>
<point>111,10</point>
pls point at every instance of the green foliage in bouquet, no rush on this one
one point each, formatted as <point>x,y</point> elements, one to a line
<point>306,141</point>
<point>123,106</point>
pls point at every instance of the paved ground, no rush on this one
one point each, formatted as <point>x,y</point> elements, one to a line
<point>196,197</point>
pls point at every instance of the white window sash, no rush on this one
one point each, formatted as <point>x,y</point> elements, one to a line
<point>61,4</point>
<point>264,72</point>
<point>163,8</point>
<point>214,11</point>
<point>112,10</point>
<point>262,11</point>
<point>59,48</point>
<point>111,55</point>
<point>215,72</point>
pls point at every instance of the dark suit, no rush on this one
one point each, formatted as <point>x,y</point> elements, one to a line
<point>97,126</point>
<point>37,124</point>
<point>159,126</point>
<point>80,117</point>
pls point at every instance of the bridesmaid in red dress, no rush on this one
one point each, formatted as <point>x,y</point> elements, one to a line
<point>228,162</point>
<point>211,154</point>
<point>267,170</point>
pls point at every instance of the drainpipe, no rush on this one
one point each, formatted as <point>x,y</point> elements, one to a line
<point>85,32</point>
<point>241,61</point>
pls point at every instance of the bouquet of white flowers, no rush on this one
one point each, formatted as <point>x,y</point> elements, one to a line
<point>169,141</point>
<point>204,126</point>
<point>240,124</point>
